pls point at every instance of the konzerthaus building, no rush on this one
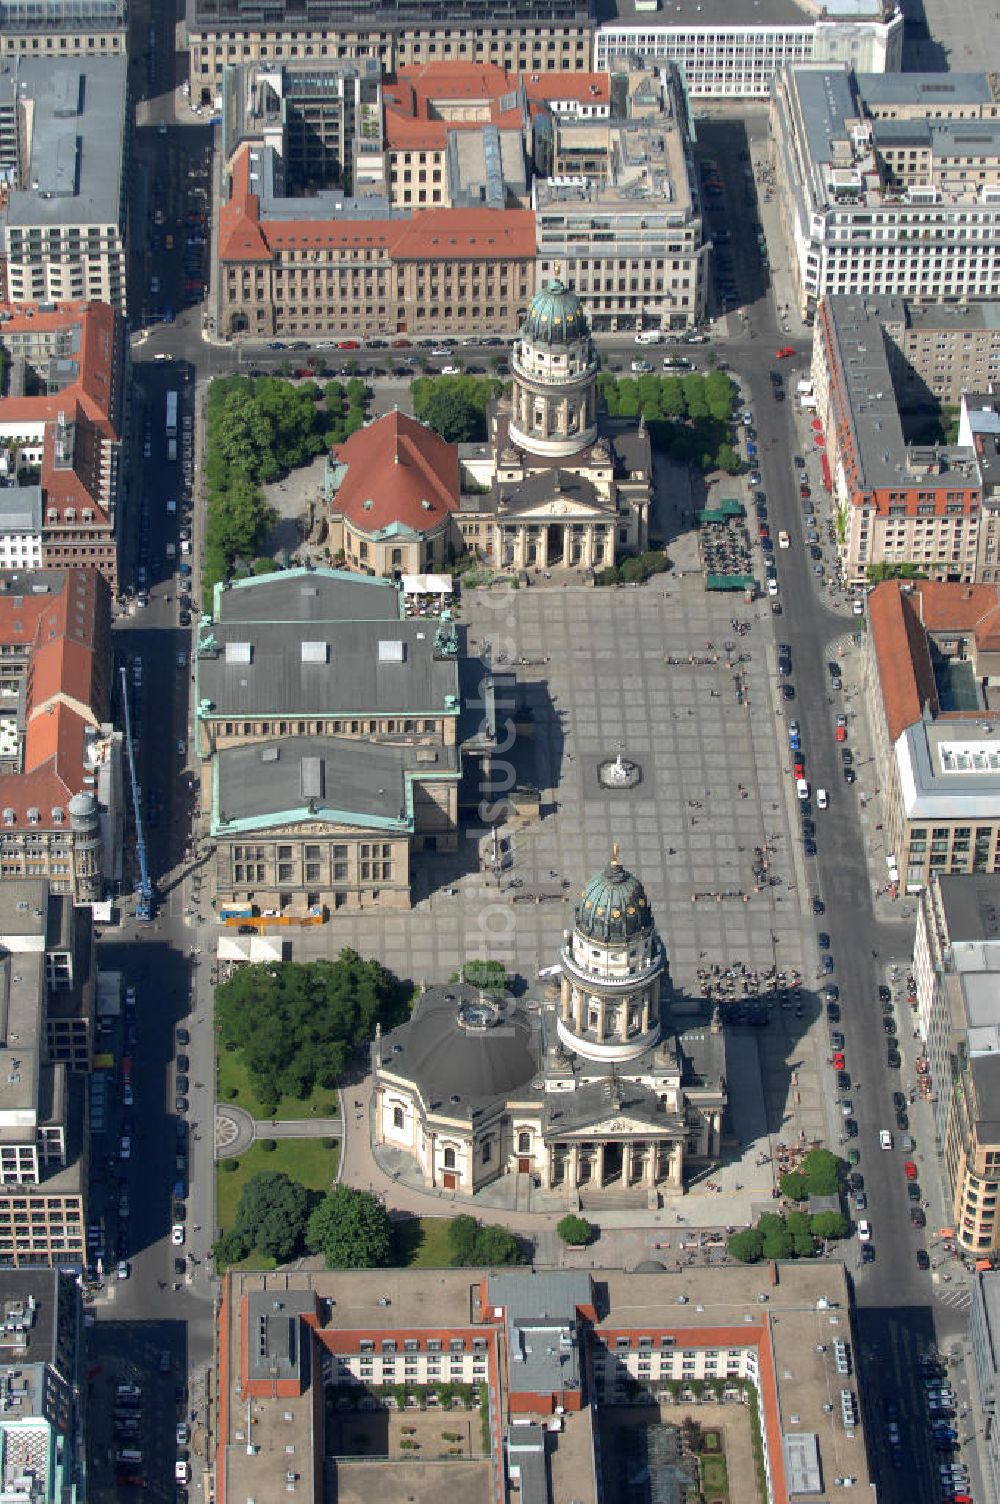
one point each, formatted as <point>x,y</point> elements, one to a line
<point>332,741</point>
<point>888,182</point>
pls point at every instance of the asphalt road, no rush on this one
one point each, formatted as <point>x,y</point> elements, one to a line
<point>145,1316</point>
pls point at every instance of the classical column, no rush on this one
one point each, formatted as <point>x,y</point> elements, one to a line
<point>574,1166</point>
<point>567,557</point>
<point>623,1020</point>
<point>542,559</point>
<point>627,1163</point>
<point>599,1157</point>
<point>432,1156</point>
<point>547,1154</point>
<point>649,1176</point>
<point>601,1017</point>
<point>566,1000</point>
<point>588,546</point>
<point>645,1014</point>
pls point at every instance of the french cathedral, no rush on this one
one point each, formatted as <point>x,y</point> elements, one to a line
<point>555,486</point>
<point>585,1092</point>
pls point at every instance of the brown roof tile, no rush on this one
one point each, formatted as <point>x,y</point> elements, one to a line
<point>398,472</point>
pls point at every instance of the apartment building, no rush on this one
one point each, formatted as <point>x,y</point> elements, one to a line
<point>888,183</point>
<point>63,222</point>
<point>62,814</point>
<point>300,822</point>
<point>734,52</point>
<point>462,204</point>
<point>35,921</point>
<point>527,36</point>
<point>956,959</point>
<point>932,678</point>
<point>63,28</point>
<point>62,419</point>
<point>628,239</point>
<point>899,502</point>
<point>984,1340</point>
<point>540,1355</point>
<point>42,1380</point>
<point>42,1108</point>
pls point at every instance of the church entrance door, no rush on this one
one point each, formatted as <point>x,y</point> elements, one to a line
<point>524,1165</point>
<point>554,542</point>
<point>450,1181</point>
<point>612,1163</point>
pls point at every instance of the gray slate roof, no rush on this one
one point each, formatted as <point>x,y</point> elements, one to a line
<point>457,1068</point>
<point>349,676</point>
<point>267,779</point>
<point>309,595</point>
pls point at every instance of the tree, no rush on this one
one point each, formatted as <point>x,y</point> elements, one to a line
<point>821,1169</point>
<point>490,976</point>
<point>884,570</point>
<point>271,1215</point>
<point>747,1246</point>
<point>800,1230</point>
<point>449,409</point>
<point>794,1186</point>
<point>471,1243</point>
<point>351,1229</point>
<point>573,1229</point>
<point>828,1225</point>
<point>295,1024</point>
<point>727,459</point>
<point>778,1243</point>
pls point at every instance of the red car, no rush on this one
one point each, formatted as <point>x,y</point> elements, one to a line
<point>401,344</point>
<point>909,1169</point>
<point>349,344</point>
<point>841,733</point>
<point>798,769</point>
<point>838,1060</point>
<point>784,352</point>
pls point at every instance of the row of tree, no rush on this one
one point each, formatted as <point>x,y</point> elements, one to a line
<point>689,417</point>
<point>295,1024</point>
<point>791,1237</point>
<point>454,406</point>
<point>281,1219</point>
<point>258,430</point>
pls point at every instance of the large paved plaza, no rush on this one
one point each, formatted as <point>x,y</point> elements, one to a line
<point>713,789</point>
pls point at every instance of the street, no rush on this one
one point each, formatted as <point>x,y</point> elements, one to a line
<point>165,1305</point>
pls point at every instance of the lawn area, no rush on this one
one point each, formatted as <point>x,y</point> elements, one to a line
<point>422,1243</point>
<point>303,1159</point>
<point>714,1478</point>
<point>234,1086</point>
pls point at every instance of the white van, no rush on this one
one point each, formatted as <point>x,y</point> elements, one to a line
<point>128,1454</point>
<point>649,337</point>
<point>802,788</point>
<point>171,507</point>
<point>864,1232</point>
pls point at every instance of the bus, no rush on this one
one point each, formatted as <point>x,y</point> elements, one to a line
<point>171,415</point>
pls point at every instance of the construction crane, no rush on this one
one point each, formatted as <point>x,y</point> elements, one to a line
<point>144,902</point>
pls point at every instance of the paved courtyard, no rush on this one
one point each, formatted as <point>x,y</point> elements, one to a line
<point>714,787</point>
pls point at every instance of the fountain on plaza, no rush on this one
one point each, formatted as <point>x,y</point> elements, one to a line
<point>619,774</point>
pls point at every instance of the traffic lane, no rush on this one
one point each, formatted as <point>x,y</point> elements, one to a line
<point>891,1340</point>
<point>128,1351</point>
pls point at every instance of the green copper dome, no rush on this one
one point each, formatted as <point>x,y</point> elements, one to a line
<point>555,317</point>
<point>613,905</point>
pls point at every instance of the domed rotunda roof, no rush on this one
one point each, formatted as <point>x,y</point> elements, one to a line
<point>555,317</point>
<point>463,1047</point>
<point>613,905</point>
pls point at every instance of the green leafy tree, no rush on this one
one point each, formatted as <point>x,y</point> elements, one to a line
<point>794,1186</point>
<point>821,1169</point>
<point>829,1225</point>
<point>454,406</point>
<point>295,1024</point>
<point>778,1242</point>
<point>800,1230</point>
<point>271,1215</point>
<point>498,1245</point>
<point>727,459</point>
<point>574,1229</point>
<point>490,976</point>
<point>747,1246</point>
<point>461,1237</point>
<point>351,1229</point>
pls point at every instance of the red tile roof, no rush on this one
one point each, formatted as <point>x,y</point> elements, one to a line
<point>68,638</point>
<point>426,235</point>
<point>470,234</point>
<point>407,473</point>
<point>902,657</point>
<point>91,395</point>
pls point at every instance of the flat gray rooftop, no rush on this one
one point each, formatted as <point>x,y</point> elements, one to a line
<point>77,141</point>
<point>929,89</point>
<point>269,779</point>
<point>352,668</point>
<point>708,15</point>
<point>971,905</point>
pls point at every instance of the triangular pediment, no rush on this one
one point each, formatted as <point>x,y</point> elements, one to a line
<point>558,510</point>
<point>621,1126</point>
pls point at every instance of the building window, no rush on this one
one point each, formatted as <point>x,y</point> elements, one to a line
<point>524,1143</point>
<point>449,1159</point>
<point>397,1117</point>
